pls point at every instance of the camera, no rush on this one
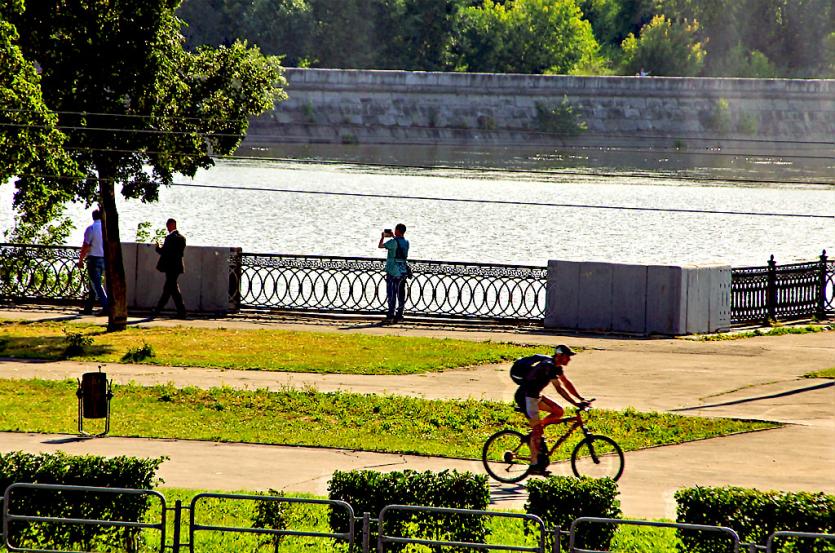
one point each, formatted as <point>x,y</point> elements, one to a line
<point>387,232</point>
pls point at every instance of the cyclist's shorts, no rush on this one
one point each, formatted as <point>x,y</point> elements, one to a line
<point>529,406</point>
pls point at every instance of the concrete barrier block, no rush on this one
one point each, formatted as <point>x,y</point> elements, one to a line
<point>698,299</point>
<point>629,298</point>
<point>148,280</point>
<point>214,285</point>
<point>594,310</point>
<point>562,294</point>
<point>666,300</point>
<point>129,263</point>
<point>720,298</point>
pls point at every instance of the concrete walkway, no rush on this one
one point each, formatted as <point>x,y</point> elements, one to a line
<point>755,378</point>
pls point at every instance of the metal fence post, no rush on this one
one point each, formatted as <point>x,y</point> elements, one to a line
<point>821,310</point>
<point>178,513</point>
<point>366,532</point>
<point>557,539</point>
<point>771,291</point>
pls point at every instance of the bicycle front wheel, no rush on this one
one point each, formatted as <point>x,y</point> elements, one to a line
<point>597,457</point>
<point>507,456</point>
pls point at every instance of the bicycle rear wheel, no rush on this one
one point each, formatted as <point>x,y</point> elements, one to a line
<point>597,457</point>
<point>506,456</point>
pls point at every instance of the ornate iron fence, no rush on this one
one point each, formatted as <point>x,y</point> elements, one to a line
<point>784,292</point>
<point>357,285</point>
<point>46,274</point>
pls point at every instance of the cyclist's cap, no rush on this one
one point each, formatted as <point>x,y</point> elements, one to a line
<point>562,349</point>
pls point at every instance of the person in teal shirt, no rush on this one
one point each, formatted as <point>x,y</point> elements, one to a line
<point>397,253</point>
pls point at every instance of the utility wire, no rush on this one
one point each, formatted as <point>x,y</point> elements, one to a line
<point>504,202</point>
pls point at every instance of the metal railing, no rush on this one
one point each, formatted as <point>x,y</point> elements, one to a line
<point>359,530</point>
<point>10,517</point>
<point>48,274</point>
<point>357,285</point>
<point>784,292</point>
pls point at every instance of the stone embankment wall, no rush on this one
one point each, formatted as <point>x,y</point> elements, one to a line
<point>402,107</point>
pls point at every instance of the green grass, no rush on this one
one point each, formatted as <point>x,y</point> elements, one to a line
<point>825,373</point>
<point>269,350</point>
<point>774,331</point>
<point>398,424</point>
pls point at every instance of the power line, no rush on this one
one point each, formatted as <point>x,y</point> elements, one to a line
<point>504,202</point>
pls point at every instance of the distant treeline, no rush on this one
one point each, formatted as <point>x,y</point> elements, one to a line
<point>719,38</point>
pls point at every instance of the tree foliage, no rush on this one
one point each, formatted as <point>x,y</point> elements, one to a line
<point>524,36</point>
<point>665,48</point>
<point>137,108</point>
<point>31,146</point>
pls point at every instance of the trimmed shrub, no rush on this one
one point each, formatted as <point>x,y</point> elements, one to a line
<point>60,468</point>
<point>754,515</point>
<point>559,500</point>
<point>370,491</point>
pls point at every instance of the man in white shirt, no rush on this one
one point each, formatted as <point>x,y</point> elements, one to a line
<point>92,251</point>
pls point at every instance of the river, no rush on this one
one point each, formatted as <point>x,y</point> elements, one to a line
<point>571,205</point>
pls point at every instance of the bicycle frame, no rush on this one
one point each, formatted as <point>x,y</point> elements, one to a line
<point>577,421</point>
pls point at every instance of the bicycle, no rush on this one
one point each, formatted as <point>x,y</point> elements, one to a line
<point>506,454</point>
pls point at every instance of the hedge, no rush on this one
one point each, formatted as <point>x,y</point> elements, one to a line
<point>559,500</point>
<point>755,515</point>
<point>370,491</point>
<point>60,468</point>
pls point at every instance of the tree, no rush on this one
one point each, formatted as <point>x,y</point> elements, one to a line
<point>524,36</point>
<point>31,146</point>
<point>664,48</point>
<point>136,107</point>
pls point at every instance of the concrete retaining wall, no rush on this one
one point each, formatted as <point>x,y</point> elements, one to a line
<point>335,105</point>
<point>639,299</point>
<point>204,285</point>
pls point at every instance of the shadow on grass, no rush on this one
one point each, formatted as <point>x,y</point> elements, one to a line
<point>53,348</point>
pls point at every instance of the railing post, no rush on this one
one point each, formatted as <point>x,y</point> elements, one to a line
<point>771,291</point>
<point>366,532</point>
<point>820,313</point>
<point>557,539</point>
<point>178,513</point>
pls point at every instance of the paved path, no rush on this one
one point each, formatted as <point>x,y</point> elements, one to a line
<point>754,378</point>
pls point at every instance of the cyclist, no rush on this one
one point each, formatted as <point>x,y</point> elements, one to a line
<point>535,373</point>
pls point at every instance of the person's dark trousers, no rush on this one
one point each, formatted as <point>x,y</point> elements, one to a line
<point>95,270</point>
<point>171,290</point>
<point>395,294</point>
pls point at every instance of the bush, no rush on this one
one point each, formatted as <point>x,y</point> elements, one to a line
<point>559,500</point>
<point>665,48</point>
<point>562,119</point>
<point>77,343</point>
<point>137,355</point>
<point>59,468</point>
<point>370,491</point>
<point>754,515</point>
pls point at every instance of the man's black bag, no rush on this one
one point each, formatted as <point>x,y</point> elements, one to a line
<point>519,370</point>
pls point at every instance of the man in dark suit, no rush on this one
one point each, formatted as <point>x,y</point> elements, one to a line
<point>171,263</point>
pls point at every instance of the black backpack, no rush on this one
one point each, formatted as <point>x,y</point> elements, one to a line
<point>522,367</point>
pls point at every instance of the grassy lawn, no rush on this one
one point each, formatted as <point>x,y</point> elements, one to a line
<point>398,424</point>
<point>773,331</point>
<point>825,373</point>
<point>269,350</point>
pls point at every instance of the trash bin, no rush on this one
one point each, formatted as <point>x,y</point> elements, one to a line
<point>94,395</point>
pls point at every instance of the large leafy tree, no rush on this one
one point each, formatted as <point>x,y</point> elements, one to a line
<point>31,147</point>
<point>524,36</point>
<point>135,107</point>
<point>665,48</point>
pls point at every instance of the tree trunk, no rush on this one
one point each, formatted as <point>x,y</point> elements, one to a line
<point>114,265</point>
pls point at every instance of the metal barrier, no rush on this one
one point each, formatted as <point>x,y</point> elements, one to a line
<point>9,517</point>
<point>194,527</point>
<point>383,539</point>
<point>769,546</point>
<point>733,536</point>
<point>47,274</point>
<point>784,292</point>
<point>352,536</point>
<point>357,285</point>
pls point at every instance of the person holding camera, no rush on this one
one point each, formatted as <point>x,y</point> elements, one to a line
<point>396,269</point>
